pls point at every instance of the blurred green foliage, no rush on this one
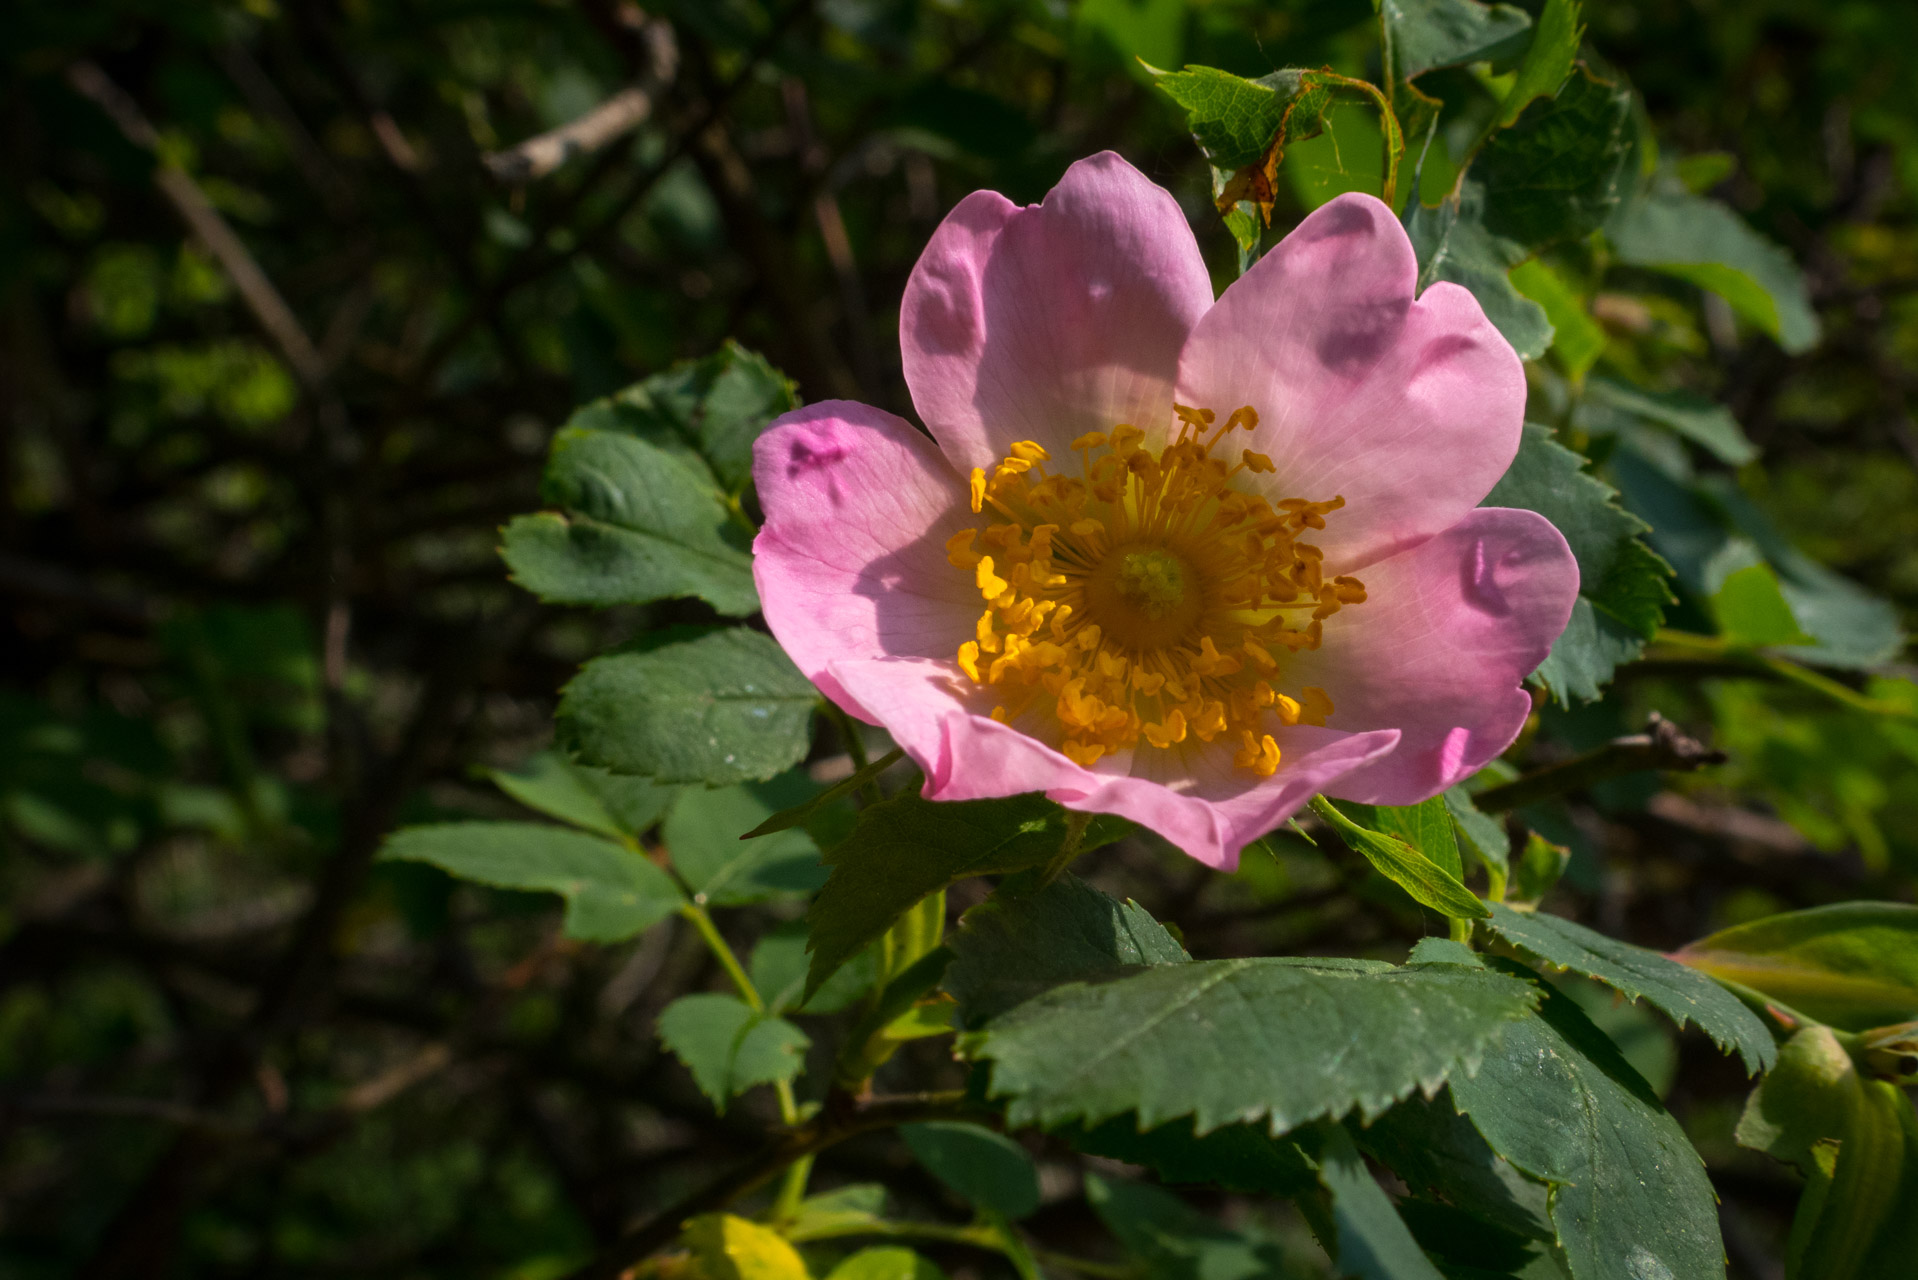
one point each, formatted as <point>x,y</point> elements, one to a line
<point>256,618</point>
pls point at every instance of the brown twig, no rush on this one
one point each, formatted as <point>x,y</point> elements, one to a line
<point>191,203</point>
<point>538,156</point>
<point>1663,745</point>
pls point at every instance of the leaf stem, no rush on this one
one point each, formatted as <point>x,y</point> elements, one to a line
<point>830,1127</point>
<point>702,922</point>
<point>1784,669</point>
<point>1076,824</point>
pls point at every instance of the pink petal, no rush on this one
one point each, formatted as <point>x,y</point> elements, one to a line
<point>1046,322</point>
<point>941,720</point>
<point>1440,649</point>
<point>1410,410</point>
<point>851,561</point>
<point>1220,808</point>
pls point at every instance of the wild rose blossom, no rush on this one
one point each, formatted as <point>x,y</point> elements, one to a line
<point>1186,561</point>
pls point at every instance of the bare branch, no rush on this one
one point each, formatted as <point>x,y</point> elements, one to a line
<point>191,203</point>
<point>536,157</point>
<point>1663,745</point>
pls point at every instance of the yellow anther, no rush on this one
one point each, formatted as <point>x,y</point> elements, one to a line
<point>988,639</point>
<point>990,583</point>
<point>1151,601</point>
<point>1165,734</point>
<point>1260,754</point>
<point>959,552</point>
<point>1085,754</point>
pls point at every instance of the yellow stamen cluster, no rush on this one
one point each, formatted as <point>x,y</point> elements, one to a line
<point>1146,598</point>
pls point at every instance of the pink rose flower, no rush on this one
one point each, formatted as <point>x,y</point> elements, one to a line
<point>1186,561</point>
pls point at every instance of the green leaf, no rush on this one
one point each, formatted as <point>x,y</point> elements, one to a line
<point>727,706</point>
<point>802,814</point>
<point>1752,612</point>
<point>1245,126</point>
<point>1427,827</point>
<point>1560,168</point>
<point>1684,995</point>
<point>638,525</point>
<point>728,1047</point>
<point>1540,864</point>
<point>1548,59</point>
<point>1174,1241</point>
<point>1578,339</point>
<point>778,970</point>
<point>726,1247</point>
<point>611,891</point>
<point>702,834</point>
<point>1429,883</point>
<point>1583,659</point>
<point>1623,584</point>
<point>1703,241</point>
<point>1630,1196</point>
<point>592,799</point>
<point>1371,1240</point>
<point>1853,965</point>
<point>886,1262</point>
<point>707,412</point>
<point>858,1208</point>
<point>1856,1142</point>
<point>1428,34</point>
<point>1452,243</point>
<point>1704,422</point>
<point>1014,946</point>
<point>1437,1152</point>
<point>1225,1041</point>
<point>1232,119</point>
<point>907,847</point>
<point>988,1170</point>
<point>1237,1157</point>
<point>1479,832</point>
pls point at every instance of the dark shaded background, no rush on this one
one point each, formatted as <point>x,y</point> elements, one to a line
<point>253,614</point>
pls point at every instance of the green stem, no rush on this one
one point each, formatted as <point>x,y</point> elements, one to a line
<point>1784,669</point>
<point>792,1190</point>
<point>709,932</point>
<point>1076,824</point>
<point>702,922</point>
<point>1459,930</point>
<point>977,1235</point>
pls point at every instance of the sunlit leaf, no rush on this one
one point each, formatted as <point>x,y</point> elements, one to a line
<point>727,706</point>
<point>1685,995</point>
<point>611,892</point>
<point>728,1047</point>
<point>1853,964</point>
